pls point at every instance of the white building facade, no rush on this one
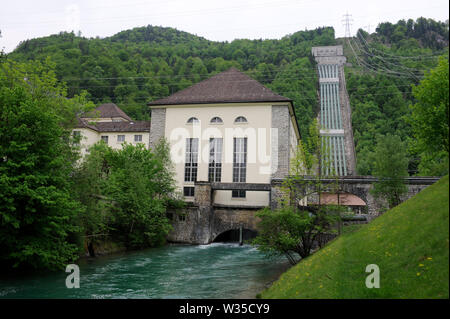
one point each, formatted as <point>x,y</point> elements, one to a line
<point>227,129</point>
<point>111,125</point>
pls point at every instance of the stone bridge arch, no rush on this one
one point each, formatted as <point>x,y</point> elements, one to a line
<point>203,220</point>
<point>359,186</point>
<point>226,219</point>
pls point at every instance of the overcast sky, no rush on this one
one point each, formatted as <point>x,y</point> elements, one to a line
<point>212,19</point>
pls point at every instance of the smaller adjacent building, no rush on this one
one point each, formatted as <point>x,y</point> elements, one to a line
<point>112,125</point>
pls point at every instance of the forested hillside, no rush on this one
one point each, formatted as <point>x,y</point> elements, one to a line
<point>136,66</point>
<point>385,65</point>
<point>147,63</point>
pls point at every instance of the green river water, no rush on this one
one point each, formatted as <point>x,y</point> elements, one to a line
<point>218,270</point>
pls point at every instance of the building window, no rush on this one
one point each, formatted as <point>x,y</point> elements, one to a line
<point>238,193</point>
<point>191,163</point>
<point>120,138</point>
<point>189,191</point>
<point>239,160</point>
<point>216,120</point>
<point>240,119</point>
<point>193,120</point>
<point>105,139</point>
<point>138,138</point>
<point>215,160</point>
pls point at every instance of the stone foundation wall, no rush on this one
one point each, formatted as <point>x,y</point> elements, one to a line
<point>226,218</point>
<point>192,226</point>
<point>200,226</point>
<point>360,186</point>
<point>202,222</point>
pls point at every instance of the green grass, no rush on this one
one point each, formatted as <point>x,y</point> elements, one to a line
<point>409,243</point>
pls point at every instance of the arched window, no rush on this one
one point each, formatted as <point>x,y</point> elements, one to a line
<point>216,120</point>
<point>240,119</point>
<point>192,120</point>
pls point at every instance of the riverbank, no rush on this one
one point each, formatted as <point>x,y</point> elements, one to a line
<point>102,248</point>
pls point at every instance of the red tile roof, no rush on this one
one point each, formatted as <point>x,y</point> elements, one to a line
<point>230,86</point>
<point>345,199</point>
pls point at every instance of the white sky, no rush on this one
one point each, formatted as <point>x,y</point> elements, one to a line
<point>213,19</point>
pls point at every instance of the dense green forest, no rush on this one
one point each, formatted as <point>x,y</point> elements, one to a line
<point>139,65</point>
<point>136,66</point>
<point>397,79</point>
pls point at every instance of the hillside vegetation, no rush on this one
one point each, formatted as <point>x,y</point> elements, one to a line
<point>385,65</point>
<point>409,243</point>
<point>136,66</point>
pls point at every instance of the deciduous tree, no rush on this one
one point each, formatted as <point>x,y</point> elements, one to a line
<point>391,168</point>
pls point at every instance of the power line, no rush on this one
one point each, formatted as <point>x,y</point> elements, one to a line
<point>236,81</point>
<point>191,76</point>
<point>395,56</point>
<point>388,70</point>
<point>365,65</point>
<point>153,98</point>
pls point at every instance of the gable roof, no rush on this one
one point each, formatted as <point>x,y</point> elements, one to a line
<point>231,86</point>
<point>107,110</point>
<point>132,126</point>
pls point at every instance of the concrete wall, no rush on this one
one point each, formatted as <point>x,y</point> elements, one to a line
<point>346,111</point>
<point>201,223</point>
<point>88,138</point>
<point>333,55</point>
<point>324,51</point>
<point>292,141</point>
<point>281,121</point>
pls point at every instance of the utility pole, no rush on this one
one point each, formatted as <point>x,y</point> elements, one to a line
<point>347,22</point>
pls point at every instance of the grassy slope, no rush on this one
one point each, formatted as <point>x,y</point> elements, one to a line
<point>409,243</point>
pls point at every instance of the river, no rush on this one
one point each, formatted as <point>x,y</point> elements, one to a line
<point>218,270</point>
